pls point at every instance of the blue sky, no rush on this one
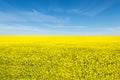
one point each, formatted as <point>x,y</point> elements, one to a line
<point>60,17</point>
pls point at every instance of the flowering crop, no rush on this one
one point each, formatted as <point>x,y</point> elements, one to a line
<point>56,58</point>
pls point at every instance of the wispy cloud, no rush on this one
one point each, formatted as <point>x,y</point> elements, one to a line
<point>10,17</point>
<point>57,30</point>
<point>61,10</point>
<point>17,21</point>
<point>104,31</point>
<point>22,29</point>
<point>94,8</point>
<point>18,27</point>
<point>69,27</point>
<point>99,8</point>
<point>30,16</point>
<point>26,29</point>
<point>75,11</point>
<point>113,30</point>
<point>37,16</point>
<point>56,9</point>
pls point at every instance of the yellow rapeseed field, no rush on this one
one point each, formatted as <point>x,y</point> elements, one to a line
<point>59,57</point>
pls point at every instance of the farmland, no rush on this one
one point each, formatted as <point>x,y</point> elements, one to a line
<point>59,58</point>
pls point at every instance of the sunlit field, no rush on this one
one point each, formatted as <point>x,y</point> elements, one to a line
<point>59,57</point>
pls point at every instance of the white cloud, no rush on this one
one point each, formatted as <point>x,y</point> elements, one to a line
<point>9,17</point>
<point>32,16</point>
<point>61,10</point>
<point>37,16</point>
<point>113,30</point>
<point>18,27</point>
<point>76,11</point>
<point>97,10</point>
<point>94,8</point>
<point>56,9</point>
<point>60,30</point>
<point>104,31</point>
<point>57,26</point>
<point>21,29</point>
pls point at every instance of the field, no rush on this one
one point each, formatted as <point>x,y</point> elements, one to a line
<point>59,57</point>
